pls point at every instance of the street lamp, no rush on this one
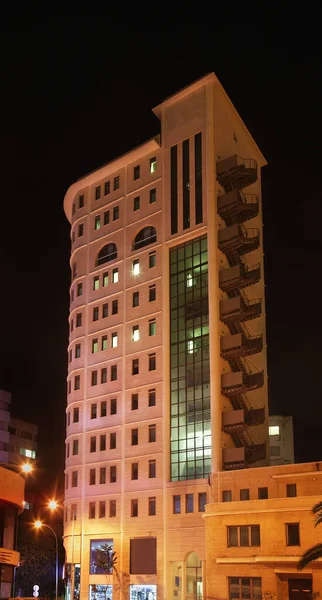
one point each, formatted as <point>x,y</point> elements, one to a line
<point>39,525</point>
<point>54,505</point>
<point>26,467</point>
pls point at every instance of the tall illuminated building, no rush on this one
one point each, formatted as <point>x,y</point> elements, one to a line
<point>167,363</point>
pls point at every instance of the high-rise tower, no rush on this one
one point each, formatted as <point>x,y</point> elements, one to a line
<point>167,362</point>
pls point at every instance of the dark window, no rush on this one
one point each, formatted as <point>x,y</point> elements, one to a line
<point>146,236</point>
<point>95,313</point>
<point>152,362</point>
<point>70,356</point>
<point>74,478</point>
<point>116,182</point>
<point>186,184</point>
<point>202,501</point>
<point>262,493</point>
<point>102,442</point>
<point>134,508</point>
<point>116,213</point>
<point>106,217</point>
<point>115,307</point>
<point>68,418</point>
<point>113,440</point>
<point>112,511</point>
<point>97,192</point>
<point>77,382</point>
<point>143,556</point>
<point>244,494</point>
<point>106,254</point>
<point>76,415</point>
<point>91,513</point>
<point>152,506</point>
<point>226,496</point>
<point>105,310</point>
<point>75,447</point>
<point>292,534</point>
<point>243,535</point>
<point>135,299</point>
<point>134,437</point>
<point>291,490</point>
<point>80,230</point>
<point>79,289</point>
<point>93,411</point>
<point>81,201</point>
<point>102,509</point>
<point>152,293</point>
<point>152,469</point>
<point>107,187</point>
<point>113,407</point>
<point>189,503</point>
<point>136,172</point>
<point>92,447</point>
<point>113,372</point>
<point>176,505</point>
<point>104,375</point>
<point>73,208</point>
<point>135,402</point>
<point>152,433</point>
<point>152,259</point>
<point>135,471</point>
<point>92,477</point>
<point>69,386</point>
<point>102,475</point>
<point>103,408</point>
<point>240,588</point>
<point>198,178</point>
<point>94,378</point>
<point>152,397</point>
<point>136,203</point>
<point>135,366</point>
<point>79,320</point>
<point>113,474</point>
<point>174,188</point>
<point>153,195</point>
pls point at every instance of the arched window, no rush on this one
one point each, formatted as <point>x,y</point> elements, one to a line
<point>107,253</point>
<point>146,236</point>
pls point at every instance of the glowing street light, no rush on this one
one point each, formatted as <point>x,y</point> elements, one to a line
<point>39,525</point>
<point>52,504</point>
<point>26,467</point>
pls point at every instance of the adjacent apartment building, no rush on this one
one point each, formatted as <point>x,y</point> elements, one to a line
<point>167,377</point>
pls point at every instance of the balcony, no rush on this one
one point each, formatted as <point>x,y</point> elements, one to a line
<point>239,309</point>
<point>232,346</point>
<point>240,382</point>
<point>237,207</point>
<point>235,241</point>
<point>238,276</point>
<point>238,420</point>
<point>236,173</point>
<point>237,458</point>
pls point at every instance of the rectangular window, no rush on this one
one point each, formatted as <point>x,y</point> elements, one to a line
<point>76,415</point>
<point>292,534</point>
<point>77,351</point>
<point>104,342</point>
<point>94,345</point>
<point>135,333</point>
<point>79,320</point>
<point>151,397</point>
<point>68,418</point>
<point>73,208</point>
<point>152,362</point>
<point>116,213</point>
<point>136,203</point>
<point>152,293</point>
<point>153,164</point>
<point>135,471</point>
<point>74,478</point>
<point>152,433</point>
<point>135,299</point>
<point>74,270</point>
<point>135,402</point>
<point>152,259</point>
<point>97,222</point>
<point>174,188</point>
<point>105,279</point>
<point>92,446</point>
<point>102,442</point>
<point>96,283</point>
<point>103,408</point>
<point>262,493</point>
<point>152,469</point>
<point>243,535</point>
<point>134,437</point>
<point>91,512</point>
<point>79,289</point>
<point>114,340</point>
<point>115,275</point>
<point>94,378</point>
<point>105,310</point>
<point>115,306</point>
<point>95,313</point>
<point>72,325</point>
<point>135,366</point>
<point>153,195</point>
<point>75,447</point>
<point>274,430</point>
<point>106,217</point>
<point>102,509</point>
<point>102,475</point>
<point>112,511</point>
<point>92,476</point>
<point>152,506</point>
<point>107,188</point>
<point>152,327</point>
<point>70,356</point>
<point>113,440</point>
<point>69,386</point>
<point>291,490</point>
<point>136,172</point>
<point>67,450</point>
<point>80,230</point>
<point>226,496</point>
<point>202,501</point>
<point>189,503</point>
<point>116,183</point>
<point>176,505</point>
<point>198,178</point>
<point>186,184</point>
<point>113,372</point>
<point>93,411</point>
<point>244,494</point>
<point>134,508</point>
<point>73,512</point>
<point>104,375</point>
<point>136,267</point>
<point>97,192</point>
<point>81,201</point>
<point>113,474</point>
<point>113,406</point>
<point>242,588</point>
<point>77,382</point>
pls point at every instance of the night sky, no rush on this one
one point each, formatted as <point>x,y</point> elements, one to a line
<point>77,93</point>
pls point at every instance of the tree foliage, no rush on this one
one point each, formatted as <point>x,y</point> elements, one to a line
<point>314,552</point>
<point>106,559</point>
<point>37,566</point>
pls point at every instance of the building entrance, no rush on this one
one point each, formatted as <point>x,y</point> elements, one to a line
<point>193,577</point>
<point>300,589</point>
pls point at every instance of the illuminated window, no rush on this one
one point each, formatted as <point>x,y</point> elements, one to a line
<point>97,222</point>
<point>152,469</point>
<point>153,195</point>
<point>134,437</point>
<point>115,275</point>
<point>114,340</point>
<point>28,453</point>
<point>104,375</point>
<point>153,164</point>
<point>152,506</point>
<point>274,430</point>
<point>102,509</point>
<point>93,411</point>
<point>136,172</point>
<point>94,345</point>
<point>113,372</point>
<point>135,366</point>
<point>135,333</point>
<point>134,508</point>
<point>292,534</point>
<point>190,346</point>
<point>106,254</point>
<point>243,535</point>
<point>189,280</point>
<point>113,474</point>
<point>105,311</point>
<point>77,382</point>
<point>152,397</point>
<point>92,446</point>
<point>104,342</point>
<point>107,187</point>
<point>92,476</point>
<point>105,279</point>
<point>79,289</point>
<point>81,201</point>
<point>102,442</point>
<point>115,307</point>
<point>152,327</point>
<point>94,378</point>
<point>152,362</point>
<point>80,230</point>
<point>152,293</point>
<point>106,217</point>
<point>103,408</point>
<point>135,402</point>
<point>99,591</point>
<point>97,192</point>
<point>136,203</point>
<point>176,505</point>
<point>75,447</point>
<point>112,510</point>
<point>76,415</point>
<point>96,283</point>
<point>136,266</point>
<point>102,475</point>
<point>202,501</point>
<point>113,406</point>
<point>95,313</point>
<point>116,182</point>
<point>135,299</point>
<point>152,433</point>
<point>135,471</point>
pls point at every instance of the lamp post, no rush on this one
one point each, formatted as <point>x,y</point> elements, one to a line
<point>39,525</point>
<point>54,505</point>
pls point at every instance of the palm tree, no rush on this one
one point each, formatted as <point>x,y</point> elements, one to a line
<point>316,551</point>
<point>106,559</point>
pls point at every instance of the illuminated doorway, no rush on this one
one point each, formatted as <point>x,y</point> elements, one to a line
<point>193,577</point>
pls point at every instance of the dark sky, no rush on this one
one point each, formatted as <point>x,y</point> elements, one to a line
<point>77,93</point>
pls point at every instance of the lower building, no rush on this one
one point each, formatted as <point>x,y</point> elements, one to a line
<point>281,440</point>
<point>258,525</point>
<point>12,488</point>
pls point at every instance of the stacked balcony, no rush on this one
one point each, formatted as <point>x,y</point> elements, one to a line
<point>236,241</point>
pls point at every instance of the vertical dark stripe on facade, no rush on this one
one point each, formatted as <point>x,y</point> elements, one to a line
<point>198,178</point>
<point>174,188</point>
<point>186,184</point>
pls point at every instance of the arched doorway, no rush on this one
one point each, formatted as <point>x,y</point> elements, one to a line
<point>193,577</point>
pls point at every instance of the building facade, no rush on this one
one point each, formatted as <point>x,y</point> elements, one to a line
<point>167,352</point>
<point>281,440</point>
<point>257,528</point>
<point>11,504</point>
